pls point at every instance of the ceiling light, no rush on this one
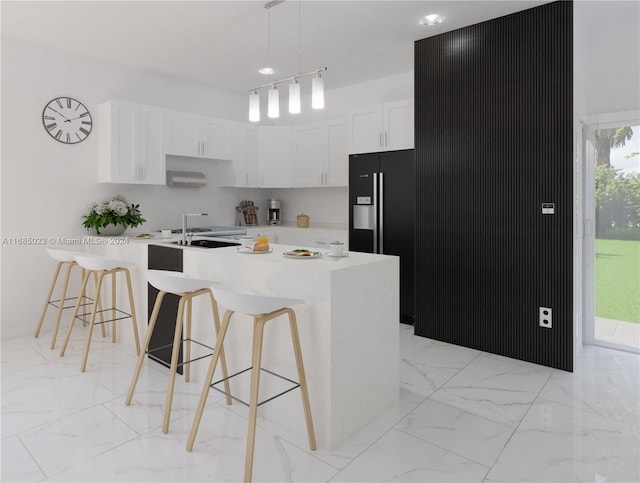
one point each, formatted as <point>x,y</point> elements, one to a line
<point>268,70</point>
<point>273,108</point>
<point>273,98</point>
<point>294,97</point>
<point>317,92</point>
<point>254,107</point>
<point>432,19</point>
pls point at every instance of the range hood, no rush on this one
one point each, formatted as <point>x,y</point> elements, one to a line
<point>191,179</point>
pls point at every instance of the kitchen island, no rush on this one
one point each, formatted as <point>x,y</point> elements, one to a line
<point>348,327</point>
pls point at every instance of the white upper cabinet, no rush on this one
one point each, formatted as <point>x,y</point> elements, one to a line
<point>337,171</point>
<point>275,157</point>
<point>311,153</point>
<point>320,154</point>
<point>183,133</point>
<point>383,127</point>
<point>130,144</point>
<point>203,137</point>
<point>250,168</point>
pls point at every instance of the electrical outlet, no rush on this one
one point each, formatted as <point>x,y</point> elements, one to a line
<point>545,317</point>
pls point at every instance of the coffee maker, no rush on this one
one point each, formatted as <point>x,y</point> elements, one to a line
<point>273,212</point>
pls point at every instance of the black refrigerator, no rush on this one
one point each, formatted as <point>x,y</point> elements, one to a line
<point>382,213</point>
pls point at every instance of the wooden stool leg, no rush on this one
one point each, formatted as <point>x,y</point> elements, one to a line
<point>174,365</point>
<point>56,327</point>
<point>46,302</point>
<point>113,306</point>
<point>223,361</point>
<point>75,312</point>
<point>142,353</point>
<point>258,332</point>
<point>96,302</point>
<point>208,380</point>
<point>132,307</point>
<point>302,379</point>
<point>187,356</point>
<point>99,300</point>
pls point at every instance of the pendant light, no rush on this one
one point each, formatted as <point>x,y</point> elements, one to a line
<point>268,70</point>
<point>294,97</point>
<point>254,107</point>
<point>317,92</point>
<point>294,87</point>
<point>273,97</point>
<point>273,109</point>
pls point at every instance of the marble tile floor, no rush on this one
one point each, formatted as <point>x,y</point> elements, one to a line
<point>463,415</point>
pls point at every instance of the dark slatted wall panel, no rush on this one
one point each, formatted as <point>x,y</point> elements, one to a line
<point>493,141</point>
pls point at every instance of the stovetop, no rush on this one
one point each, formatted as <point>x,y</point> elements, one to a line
<point>214,230</point>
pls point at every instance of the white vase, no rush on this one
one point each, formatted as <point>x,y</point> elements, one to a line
<point>112,230</point>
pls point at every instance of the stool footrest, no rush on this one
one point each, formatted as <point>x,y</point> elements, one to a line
<point>151,351</point>
<point>296,385</point>
<point>54,302</point>
<point>125,315</point>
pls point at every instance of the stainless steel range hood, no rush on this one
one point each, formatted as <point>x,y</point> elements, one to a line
<point>191,179</point>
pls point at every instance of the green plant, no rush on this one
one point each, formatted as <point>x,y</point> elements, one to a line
<point>116,211</point>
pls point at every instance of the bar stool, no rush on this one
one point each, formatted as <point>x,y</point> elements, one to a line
<point>64,259</point>
<point>187,289</point>
<point>263,309</point>
<point>100,267</point>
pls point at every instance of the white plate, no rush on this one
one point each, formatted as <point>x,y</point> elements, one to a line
<point>294,255</point>
<point>344,255</point>
<point>253,252</point>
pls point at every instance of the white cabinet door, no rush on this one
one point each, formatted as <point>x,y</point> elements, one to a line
<point>130,144</point>
<point>365,129</point>
<point>398,125</point>
<point>247,173</point>
<point>118,142</point>
<point>310,155</point>
<point>152,162</point>
<point>183,133</point>
<point>337,172</point>
<point>275,155</point>
<point>222,139</point>
<point>385,127</point>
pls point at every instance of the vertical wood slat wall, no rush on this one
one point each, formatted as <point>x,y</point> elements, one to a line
<point>493,120</point>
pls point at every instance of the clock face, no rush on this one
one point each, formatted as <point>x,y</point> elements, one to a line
<point>67,120</point>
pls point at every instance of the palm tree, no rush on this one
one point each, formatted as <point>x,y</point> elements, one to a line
<point>606,139</point>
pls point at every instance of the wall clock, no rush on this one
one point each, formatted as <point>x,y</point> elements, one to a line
<point>67,120</point>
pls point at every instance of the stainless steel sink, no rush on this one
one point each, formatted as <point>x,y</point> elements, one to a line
<point>208,244</point>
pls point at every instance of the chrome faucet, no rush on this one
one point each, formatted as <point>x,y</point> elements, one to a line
<point>184,226</point>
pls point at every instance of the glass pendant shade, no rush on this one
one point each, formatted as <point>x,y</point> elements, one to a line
<point>273,109</point>
<point>254,107</point>
<point>294,97</point>
<point>317,92</point>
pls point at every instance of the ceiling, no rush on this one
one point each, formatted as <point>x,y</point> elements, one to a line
<point>223,43</point>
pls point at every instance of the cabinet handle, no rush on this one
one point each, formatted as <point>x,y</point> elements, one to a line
<point>381,145</point>
<point>385,140</point>
<point>234,178</point>
<point>262,180</point>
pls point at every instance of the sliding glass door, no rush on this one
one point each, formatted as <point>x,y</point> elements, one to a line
<point>611,248</point>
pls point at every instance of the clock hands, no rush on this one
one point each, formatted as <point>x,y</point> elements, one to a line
<point>74,118</point>
<point>66,118</point>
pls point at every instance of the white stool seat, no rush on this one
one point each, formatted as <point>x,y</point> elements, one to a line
<point>98,262</point>
<point>60,255</point>
<point>176,282</point>
<point>252,304</point>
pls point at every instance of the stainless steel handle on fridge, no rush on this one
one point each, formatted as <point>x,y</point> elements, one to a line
<point>381,213</point>
<point>375,212</point>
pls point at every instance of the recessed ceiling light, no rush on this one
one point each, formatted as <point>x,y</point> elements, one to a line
<point>266,71</point>
<point>431,19</point>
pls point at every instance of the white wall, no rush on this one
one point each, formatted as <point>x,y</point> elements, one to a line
<point>46,185</point>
